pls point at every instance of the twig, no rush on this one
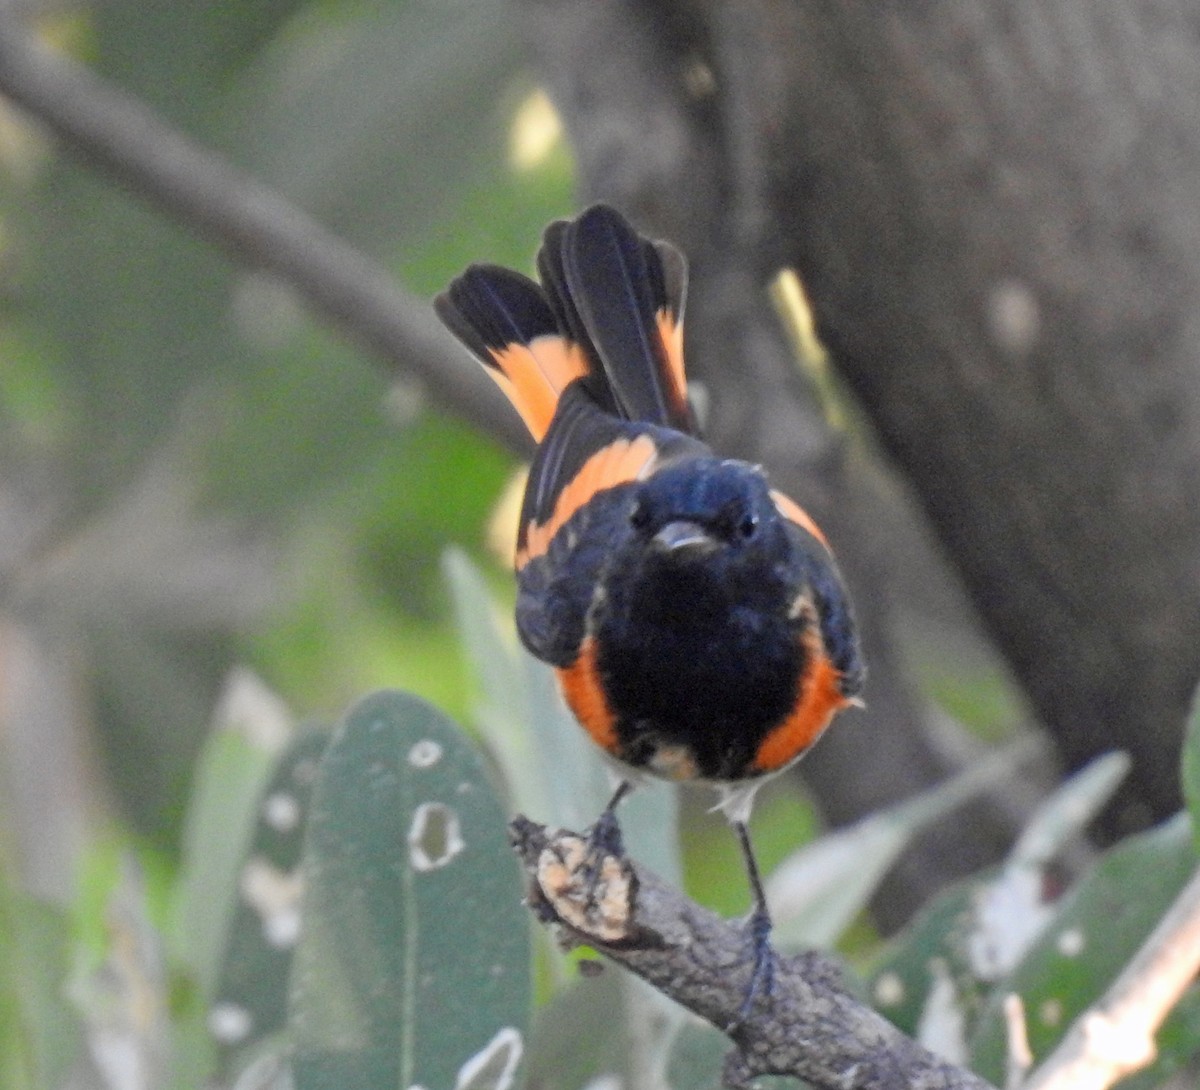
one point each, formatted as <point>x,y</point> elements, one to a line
<point>1116,1035</point>
<point>252,222</point>
<point>809,1026</point>
<point>1020,1057</point>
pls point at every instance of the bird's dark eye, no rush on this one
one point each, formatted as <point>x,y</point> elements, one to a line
<point>639,517</point>
<point>748,526</point>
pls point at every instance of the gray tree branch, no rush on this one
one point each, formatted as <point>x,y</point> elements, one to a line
<point>809,1026</point>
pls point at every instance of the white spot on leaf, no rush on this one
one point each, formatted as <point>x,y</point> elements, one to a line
<point>434,837</point>
<point>229,1023</point>
<point>1008,915</point>
<point>1051,1012</point>
<point>942,1025</point>
<point>275,895</point>
<point>281,811</point>
<point>889,990</point>
<point>494,1066</point>
<point>425,754</point>
<point>1071,942</point>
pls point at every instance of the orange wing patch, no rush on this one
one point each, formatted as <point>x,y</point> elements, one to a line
<point>580,684</point>
<point>621,461</point>
<point>792,511</point>
<point>820,697</point>
<point>533,376</point>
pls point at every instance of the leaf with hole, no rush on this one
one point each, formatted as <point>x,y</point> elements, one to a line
<point>413,965</point>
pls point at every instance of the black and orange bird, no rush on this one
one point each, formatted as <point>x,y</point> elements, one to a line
<point>695,617</point>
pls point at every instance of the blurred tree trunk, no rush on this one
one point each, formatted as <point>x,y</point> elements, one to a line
<point>992,207</point>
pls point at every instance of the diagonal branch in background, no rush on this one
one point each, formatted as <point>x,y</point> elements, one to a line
<point>809,1027</point>
<point>253,223</point>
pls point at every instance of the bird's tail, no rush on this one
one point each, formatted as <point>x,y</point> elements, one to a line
<point>609,310</point>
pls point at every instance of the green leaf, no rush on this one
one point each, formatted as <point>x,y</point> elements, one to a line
<point>1095,931</point>
<point>502,705</point>
<point>249,1003</point>
<point>414,963</point>
<point>1012,908</point>
<point>934,978</point>
<point>251,727</point>
<point>816,893</point>
<point>582,1036</point>
<point>553,771</point>
<point>39,1034</point>
<point>901,979</point>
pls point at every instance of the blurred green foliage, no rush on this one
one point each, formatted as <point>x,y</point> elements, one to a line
<point>155,396</point>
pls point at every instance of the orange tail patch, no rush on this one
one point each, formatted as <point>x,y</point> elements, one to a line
<point>507,322</point>
<point>671,332</point>
<point>533,376</point>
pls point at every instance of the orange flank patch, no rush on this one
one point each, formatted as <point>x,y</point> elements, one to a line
<point>619,462</point>
<point>820,698</point>
<point>532,377</point>
<point>792,511</point>
<point>580,684</point>
<point>671,333</point>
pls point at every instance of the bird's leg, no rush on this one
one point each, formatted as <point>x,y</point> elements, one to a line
<point>601,875</point>
<point>759,927</point>
<point>604,837</point>
<point>585,882</point>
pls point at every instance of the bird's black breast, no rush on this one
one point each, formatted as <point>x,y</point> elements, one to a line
<point>697,662</point>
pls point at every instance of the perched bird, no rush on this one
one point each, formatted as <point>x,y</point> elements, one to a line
<point>694,616</point>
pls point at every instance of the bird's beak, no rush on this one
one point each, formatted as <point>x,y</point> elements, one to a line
<point>684,535</point>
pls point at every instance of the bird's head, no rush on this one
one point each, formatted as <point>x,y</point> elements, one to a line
<point>709,508</point>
